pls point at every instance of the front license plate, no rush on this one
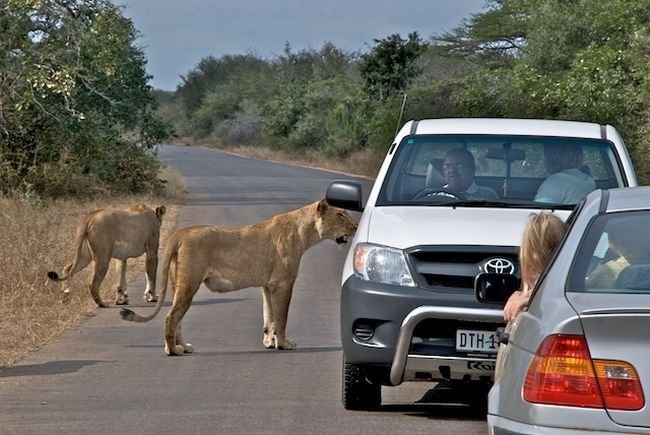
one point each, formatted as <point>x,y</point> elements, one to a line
<point>476,341</point>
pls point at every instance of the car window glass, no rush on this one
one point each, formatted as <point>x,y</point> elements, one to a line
<point>614,256</point>
<point>512,166</point>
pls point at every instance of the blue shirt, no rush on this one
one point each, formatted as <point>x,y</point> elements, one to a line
<point>565,187</point>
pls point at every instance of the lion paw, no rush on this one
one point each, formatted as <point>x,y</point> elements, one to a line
<point>268,342</point>
<point>150,297</point>
<point>178,350</point>
<point>287,344</point>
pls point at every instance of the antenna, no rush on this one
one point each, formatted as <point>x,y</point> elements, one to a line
<point>401,112</point>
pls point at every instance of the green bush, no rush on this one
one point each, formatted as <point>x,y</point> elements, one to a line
<point>79,116</point>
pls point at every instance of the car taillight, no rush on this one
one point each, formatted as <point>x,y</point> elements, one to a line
<point>619,384</point>
<point>562,373</point>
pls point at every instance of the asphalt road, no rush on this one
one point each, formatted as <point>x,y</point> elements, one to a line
<point>108,376</point>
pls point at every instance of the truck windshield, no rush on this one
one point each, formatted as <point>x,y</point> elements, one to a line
<point>529,171</point>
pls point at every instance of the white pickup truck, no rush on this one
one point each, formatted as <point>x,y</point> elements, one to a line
<point>408,309</point>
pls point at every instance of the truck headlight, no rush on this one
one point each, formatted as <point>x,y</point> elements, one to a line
<point>381,264</point>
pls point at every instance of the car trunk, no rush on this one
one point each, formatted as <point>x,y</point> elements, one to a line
<point>621,334</point>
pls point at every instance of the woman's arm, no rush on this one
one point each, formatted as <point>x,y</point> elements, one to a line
<point>516,303</point>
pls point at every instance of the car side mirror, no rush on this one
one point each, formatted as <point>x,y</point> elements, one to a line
<point>495,288</point>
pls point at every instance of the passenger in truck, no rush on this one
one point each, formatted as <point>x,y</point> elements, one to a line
<point>568,181</point>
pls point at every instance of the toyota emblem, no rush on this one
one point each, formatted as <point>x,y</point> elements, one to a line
<point>499,265</point>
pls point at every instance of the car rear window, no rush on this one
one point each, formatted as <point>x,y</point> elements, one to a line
<point>614,256</point>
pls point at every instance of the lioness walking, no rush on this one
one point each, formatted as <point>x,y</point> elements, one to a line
<point>115,233</point>
<point>263,255</point>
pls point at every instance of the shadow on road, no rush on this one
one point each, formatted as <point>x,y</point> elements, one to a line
<point>268,351</point>
<point>213,301</point>
<point>447,400</point>
<point>436,411</point>
<point>48,368</point>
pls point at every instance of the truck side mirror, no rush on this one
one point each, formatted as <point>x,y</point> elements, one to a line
<point>495,288</point>
<point>344,194</point>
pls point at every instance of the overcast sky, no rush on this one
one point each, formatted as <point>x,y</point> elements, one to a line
<point>177,34</point>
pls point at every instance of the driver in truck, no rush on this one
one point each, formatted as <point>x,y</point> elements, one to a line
<point>458,169</point>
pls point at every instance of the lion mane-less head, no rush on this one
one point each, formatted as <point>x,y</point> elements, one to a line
<point>334,223</point>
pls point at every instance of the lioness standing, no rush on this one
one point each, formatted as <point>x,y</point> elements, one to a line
<point>263,255</point>
<point>115,233</point>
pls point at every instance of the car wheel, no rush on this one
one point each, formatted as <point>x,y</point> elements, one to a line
<point>358,392</point>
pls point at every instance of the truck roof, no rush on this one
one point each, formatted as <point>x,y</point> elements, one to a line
<point>527,127</point>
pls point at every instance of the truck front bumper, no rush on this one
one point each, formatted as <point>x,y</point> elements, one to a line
<point>410,331</point>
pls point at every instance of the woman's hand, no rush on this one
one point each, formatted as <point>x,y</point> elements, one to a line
<point>516,303</point>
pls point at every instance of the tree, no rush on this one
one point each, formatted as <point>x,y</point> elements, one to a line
<point>579,60</point>
<point>309,64</point>
<point>391,64</point>
<point>76,111</point>
<point>494,36</point>
<point>211,73</point>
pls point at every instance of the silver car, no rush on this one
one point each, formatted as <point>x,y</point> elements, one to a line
<point>578,360</point>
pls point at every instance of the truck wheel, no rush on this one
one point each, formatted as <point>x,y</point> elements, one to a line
<point>477,395</point>
<point>358,392</point>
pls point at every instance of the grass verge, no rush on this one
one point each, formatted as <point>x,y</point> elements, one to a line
<point>38,238</point>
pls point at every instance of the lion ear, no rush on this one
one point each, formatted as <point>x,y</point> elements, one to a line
<point>160,210</point>
<point>322,206</point>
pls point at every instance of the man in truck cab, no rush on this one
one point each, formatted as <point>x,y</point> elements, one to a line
<point>458,169</point>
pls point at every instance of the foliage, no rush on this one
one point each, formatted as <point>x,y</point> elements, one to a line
<point>390,66</point>
<point>492,38</point>
<point>308,64</point>
<point>244,129</point>
<point>580,60</point>
<point>212,73</point>
<point>73,86</point>
<point>323,114</point>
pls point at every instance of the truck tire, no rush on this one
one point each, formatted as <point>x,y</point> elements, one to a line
<point>359,393</point>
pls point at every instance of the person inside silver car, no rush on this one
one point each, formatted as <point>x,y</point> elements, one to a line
<point>628,245</point>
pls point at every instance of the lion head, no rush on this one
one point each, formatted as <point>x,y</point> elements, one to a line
<point>334,223</point>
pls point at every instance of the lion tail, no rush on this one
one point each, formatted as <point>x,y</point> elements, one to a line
<point>170,254</point>
<point>80,238</point>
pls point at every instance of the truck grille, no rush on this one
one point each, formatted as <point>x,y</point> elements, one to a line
<point>453,268</point>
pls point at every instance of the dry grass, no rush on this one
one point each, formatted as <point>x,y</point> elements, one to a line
<point>35,240</point>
